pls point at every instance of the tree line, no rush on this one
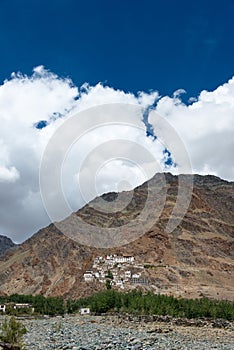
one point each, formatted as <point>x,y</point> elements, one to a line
<point>134,302</point>
<point>42,305</point>
<point>153,304</point>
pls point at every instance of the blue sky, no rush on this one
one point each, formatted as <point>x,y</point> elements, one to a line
<point>142,53</point>
<point>130,45</point>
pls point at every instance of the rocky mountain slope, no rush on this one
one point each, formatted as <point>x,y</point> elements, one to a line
<point>5,244</point>
<point>196,259</point>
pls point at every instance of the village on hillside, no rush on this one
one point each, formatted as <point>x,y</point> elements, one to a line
<point>117,271</point>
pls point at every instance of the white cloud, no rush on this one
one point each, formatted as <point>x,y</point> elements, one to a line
<point>205,126</point>
<point>8,174</point>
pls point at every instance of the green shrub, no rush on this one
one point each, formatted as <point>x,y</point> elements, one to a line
<point>109,275</point>
<point>11,334</point>
<point>108,284</point>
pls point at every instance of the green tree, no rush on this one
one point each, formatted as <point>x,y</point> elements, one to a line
<point>109,275</point>
<point>108,284</point>
<point>11,334</point>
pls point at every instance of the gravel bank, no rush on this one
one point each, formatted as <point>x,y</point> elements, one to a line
<point>98,332</point>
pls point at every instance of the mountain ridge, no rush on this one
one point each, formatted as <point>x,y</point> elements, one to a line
<point>196,259</point>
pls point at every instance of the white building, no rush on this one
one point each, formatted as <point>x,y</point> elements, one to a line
<point>102,274</point>
<point>84,311</point>
<point>124,259</point>
<point>119,283</point>
<point>24,306</point>
<point>127,274</point>
<point>2,308</point>
<point>88,276</point>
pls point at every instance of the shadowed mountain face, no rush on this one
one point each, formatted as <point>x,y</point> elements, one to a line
<point>5,244</point>
<point>195,259</point>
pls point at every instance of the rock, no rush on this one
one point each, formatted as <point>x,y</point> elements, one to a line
<point>105,336</point>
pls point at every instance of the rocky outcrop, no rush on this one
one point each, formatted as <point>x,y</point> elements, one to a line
<point>5,244</point>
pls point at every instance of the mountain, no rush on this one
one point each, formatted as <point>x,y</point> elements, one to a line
<point>5,244</point>
<point>196,259</point>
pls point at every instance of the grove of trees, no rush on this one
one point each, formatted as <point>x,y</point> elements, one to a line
<point>133,302</point>
<point>154,304</point>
